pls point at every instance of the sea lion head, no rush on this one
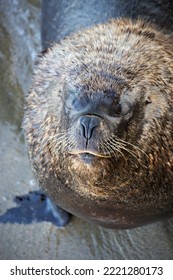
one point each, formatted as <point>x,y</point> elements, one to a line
<point>93,120</point>
<point>99,123</point>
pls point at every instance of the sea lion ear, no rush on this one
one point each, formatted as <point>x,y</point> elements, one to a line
<point>148,100</point>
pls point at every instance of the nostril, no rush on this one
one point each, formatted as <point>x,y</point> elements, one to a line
<point>88,124</point>
<point>83,129</point>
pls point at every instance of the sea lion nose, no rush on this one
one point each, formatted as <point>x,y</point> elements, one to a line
<point>88,124</point>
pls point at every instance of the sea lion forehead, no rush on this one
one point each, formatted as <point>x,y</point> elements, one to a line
<point>96,90</point>
<point>85,91</point>
<point>93,78</point>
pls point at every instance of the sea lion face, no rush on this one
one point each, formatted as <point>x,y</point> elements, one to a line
<point>98,124</point>
<point>93,121</point>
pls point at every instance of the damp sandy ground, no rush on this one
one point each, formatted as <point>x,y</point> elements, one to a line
<point>20,41</point>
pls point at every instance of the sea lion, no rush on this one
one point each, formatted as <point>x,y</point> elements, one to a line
<point>98,123</point>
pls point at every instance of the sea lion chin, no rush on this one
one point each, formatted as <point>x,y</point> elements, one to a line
<point>98,124</point>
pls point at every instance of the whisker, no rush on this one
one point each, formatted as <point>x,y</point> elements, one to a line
<point>128,143</point>
<point>104,149</point>
<point>115,147</point>
<point>125,149</point>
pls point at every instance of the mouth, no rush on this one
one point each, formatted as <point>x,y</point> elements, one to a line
<point>91,153</point>
<point>88,156</point>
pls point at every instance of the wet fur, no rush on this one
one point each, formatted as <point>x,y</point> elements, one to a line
<point>135,171</point>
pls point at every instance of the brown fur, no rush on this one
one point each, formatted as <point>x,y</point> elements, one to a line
<point>134,59</point>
